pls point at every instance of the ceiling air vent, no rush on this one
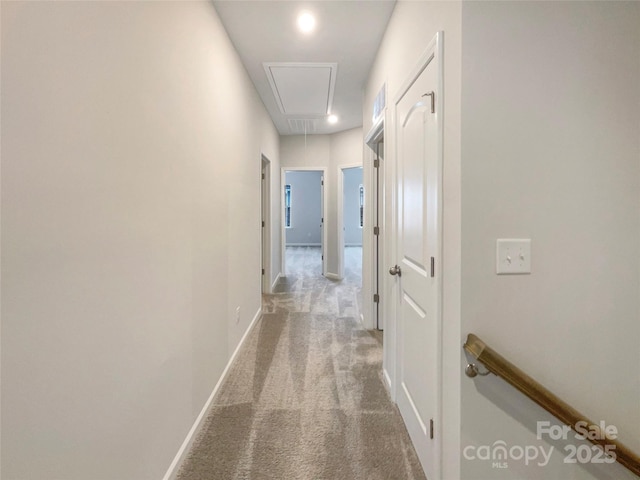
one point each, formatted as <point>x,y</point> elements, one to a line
<point>302,125</point>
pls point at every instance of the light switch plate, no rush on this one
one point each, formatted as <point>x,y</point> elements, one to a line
<point>513,256</point>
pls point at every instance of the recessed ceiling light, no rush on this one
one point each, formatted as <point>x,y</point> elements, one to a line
<point>332,119</point>
<point>306,22</point>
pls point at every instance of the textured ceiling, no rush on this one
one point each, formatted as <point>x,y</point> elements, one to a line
<point>348,34</point>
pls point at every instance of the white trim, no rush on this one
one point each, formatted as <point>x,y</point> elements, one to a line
<point>283,228</point>
<point>275,282</point>
<point>433,49</point>
<point>387,379</point>
<point>374,202</point>
<point>375,131</point>
<point>325,209</point>
<point>340,218</point>
<point>387,310</point>
<point>340,212</point>
<point>173,469</point>
<point>265,213</point>
<point>333,276</point>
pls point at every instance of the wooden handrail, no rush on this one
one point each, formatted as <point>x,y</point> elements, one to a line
<point>503,368</point>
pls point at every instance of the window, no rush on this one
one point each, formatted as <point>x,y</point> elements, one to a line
<point>287,206</point>
<point>361,206</point>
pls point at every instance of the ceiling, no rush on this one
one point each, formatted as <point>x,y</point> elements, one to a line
<point>302,78</point>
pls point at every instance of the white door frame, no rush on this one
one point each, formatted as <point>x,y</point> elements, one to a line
<point>433,52</point>
<point>283,236</point>
<point>265,214</point>
<point>341,244</point>
<point>374,200</point>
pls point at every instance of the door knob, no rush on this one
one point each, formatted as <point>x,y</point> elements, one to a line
<point>395,270</point>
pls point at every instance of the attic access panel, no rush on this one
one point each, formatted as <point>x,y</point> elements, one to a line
<point>302,88</point>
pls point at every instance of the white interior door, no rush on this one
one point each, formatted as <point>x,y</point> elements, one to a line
<point>418,254</point>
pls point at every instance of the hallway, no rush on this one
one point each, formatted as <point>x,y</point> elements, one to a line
<point>305,398</point>
<point>136,223</point>
<point>304,266</point>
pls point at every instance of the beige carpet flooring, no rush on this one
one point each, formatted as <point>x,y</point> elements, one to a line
<point>305,398</point>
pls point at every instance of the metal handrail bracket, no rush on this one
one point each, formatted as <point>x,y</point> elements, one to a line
<point>500,366</point>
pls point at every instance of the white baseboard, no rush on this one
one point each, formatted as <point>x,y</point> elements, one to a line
<point>333,276</point>
<point>172,472</point>
<point>387,378</point>
<point>275,282</point>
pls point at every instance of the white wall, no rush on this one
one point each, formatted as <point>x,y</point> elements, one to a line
<point>330,151</point>
<point>411,28</point>
<point>306,208</point>
<point>131,136</point>
<point>551,152</point>
<point>351,206</point>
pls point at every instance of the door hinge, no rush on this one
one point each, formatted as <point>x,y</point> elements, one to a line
<point>322,257</point>
<point>433,100</point>
<point>376,298</point>
<point>263,271</point>
<point>263,176</point>
<point>263,223</point>
<point>433,267</point>
<point>322,220</point>
<point>376,230</point>
<point>376,163</point>
<point>431,428</point>
<point>321,182</point>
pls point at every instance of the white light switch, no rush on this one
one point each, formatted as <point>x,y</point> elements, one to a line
<point>513,256</point>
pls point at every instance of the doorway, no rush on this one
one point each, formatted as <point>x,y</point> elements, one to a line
<point>374,218</point>
<point>265,230</point>
<point>351,211</point>
<point>303,229</point>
